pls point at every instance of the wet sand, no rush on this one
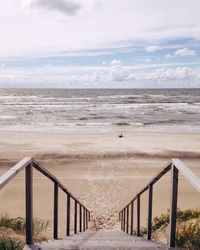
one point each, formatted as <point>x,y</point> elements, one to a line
<point>101,169</point>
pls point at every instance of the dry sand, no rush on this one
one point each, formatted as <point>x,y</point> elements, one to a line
<point>101,169</point>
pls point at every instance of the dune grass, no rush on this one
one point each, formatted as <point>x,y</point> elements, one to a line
<point>187,231</point>
<point>12,232</point>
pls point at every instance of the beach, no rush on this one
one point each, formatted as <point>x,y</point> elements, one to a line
<point>101,169</point>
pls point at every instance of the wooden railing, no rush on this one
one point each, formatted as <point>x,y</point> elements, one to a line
<point>175,166</point>
<point>28,163</point>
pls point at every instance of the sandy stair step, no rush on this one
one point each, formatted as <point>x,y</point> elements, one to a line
<point>101,240</point>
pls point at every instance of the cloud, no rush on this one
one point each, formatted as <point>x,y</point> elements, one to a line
<point>168,55</point>
<point>66,7</point>
<point>170,74</point>
<point>152,48</point>
<point>114,72</point>
<point>115,62</point>
<point>185,52</point>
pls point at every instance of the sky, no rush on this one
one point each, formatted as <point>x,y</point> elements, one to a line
<point>100,43</point>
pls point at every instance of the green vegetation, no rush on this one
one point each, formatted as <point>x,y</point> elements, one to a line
<point>8,243</point>
<point>12,232</point>
<point>121,123</point>
<point>188,228</point>
<point>188,235</point>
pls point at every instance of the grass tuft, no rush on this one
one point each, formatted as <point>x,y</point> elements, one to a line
<point>12,232</point>
<point>187,231</point>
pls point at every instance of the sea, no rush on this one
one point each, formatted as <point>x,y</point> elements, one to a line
<point>100,109</point>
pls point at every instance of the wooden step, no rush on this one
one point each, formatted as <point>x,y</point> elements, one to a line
<point>100,240</point>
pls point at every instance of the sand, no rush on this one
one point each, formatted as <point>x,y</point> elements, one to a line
<point>101,169</point>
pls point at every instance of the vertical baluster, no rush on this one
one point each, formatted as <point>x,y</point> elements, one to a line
<point>80,218</point>
<point>29,204</point>
<point>173,206</point>
<point>68,215</point>
<point>124,219</point>
<point>75,217</point>
<point>138,215</point>
<point>132,218</point>
<point>127,219</point>
<point>121,220</point>
<point>83,219</point>
<point>150,199</point>
<point>55,217</point>
<point>86,219</point>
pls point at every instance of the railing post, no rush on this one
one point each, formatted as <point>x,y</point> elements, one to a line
<point>138,215</point>
<point>75,217</point>
<point>68,215</point>
<point>124,220</point>
<point>55,217</point>
<point>173,206</point>
<point>121,217</point>
<point>80,218</point>
<point>86,219</point>
<point>29,204</point>
<point>150,199</point>
<point>132,218</point>
<point>83,219</point>
<point>127,219</point>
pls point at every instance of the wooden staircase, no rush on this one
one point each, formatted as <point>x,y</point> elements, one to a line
<point>86,240</point>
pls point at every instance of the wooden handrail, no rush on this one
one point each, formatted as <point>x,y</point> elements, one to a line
<point>16,169</point>
<point>187,173</point>
<point>175,166</point>
<point>27,164</point>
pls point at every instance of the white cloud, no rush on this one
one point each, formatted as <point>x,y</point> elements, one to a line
<point>109,75</point>
<point>67,7</point>
<point>114,72</point>
<point>95,26</point>
<point>171,74</point>
<point>152,48</point>
<point>115,62</point>
<point>185,52</point>
<point>168,55</point>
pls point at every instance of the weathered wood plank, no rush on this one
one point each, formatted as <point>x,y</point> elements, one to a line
<point>68,215</point>
<point>187,173</point>
<point>149,224</point>
<point>132,210</point>
<point>127,219</point>
<point>29,204</point>
<point>10,174</point>
<point>75,217</point>
<point>138,215</point>
<point>173,206</point>
<point>55,216</point>
<point>80,218</point>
